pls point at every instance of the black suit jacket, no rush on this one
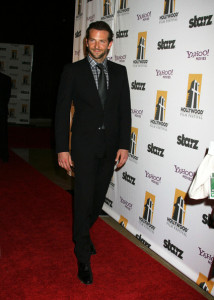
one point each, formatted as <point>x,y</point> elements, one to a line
<point>78,84</point>
<point>5,89</point>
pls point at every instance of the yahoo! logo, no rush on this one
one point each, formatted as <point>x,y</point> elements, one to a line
<point>205,255</point>
<point>165,73</point>
<point>120,58</point>
<point>185,174</point>
<point>144,16</point>
<point>127,204</point>
<point>137,112</point>
<point>154,179</point>
<point>198,55</point>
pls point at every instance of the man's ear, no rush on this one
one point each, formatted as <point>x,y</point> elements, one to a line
<point>110,44</point>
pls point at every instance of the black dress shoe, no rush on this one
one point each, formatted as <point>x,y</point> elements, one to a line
<point>85,273</point>
<point>92,249</point>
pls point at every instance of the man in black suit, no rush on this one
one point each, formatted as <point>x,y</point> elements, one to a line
<point>5,89</point>
<point>101,130</point>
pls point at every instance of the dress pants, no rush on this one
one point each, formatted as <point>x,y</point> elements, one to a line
<point>4,155</point>
<point>92,177</point>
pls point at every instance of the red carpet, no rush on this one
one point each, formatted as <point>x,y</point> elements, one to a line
<point>37,260</point>
<point>21,136</point>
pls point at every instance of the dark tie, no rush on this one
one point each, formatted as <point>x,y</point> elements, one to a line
<point>102,85</point>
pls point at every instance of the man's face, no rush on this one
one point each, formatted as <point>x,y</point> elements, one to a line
<point>98,44</point>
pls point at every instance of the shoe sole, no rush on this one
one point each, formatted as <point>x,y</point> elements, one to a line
<point>85,282</point>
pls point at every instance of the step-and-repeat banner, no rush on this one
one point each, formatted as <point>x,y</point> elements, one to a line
<point>168,49</point>
<point>16,61</point>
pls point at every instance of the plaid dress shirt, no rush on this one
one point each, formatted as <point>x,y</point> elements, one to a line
<point>96,71</point>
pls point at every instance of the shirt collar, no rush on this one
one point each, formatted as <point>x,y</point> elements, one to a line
<point>93,63</point>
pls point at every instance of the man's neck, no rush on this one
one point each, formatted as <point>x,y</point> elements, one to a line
<point>99,61</point>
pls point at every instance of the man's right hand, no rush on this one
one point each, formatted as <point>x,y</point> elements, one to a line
<point>64,161</point>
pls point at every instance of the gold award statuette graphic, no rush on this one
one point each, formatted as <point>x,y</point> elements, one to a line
<point>169,6</point>
<point>149,204</point>
<point>123,221</point>
<point>160,110</point>
<point>106,7</point>
<point>141,45</point>
<point>123,4</point>
<point>179,207</point>
<point>194,90</point>
<point>203,282</point>
<point>134,134</point>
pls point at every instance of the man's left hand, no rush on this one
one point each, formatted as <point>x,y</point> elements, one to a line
<point>121,158</point>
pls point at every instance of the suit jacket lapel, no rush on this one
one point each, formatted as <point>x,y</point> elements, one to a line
<point>112,85</point>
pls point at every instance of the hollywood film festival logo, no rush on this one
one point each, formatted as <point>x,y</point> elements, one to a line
<point>133,145</point>
<point>160,111</point>
<point>169,14</point>
<point>192,108</point>
<point>204,283</point>
<point>123,8</point>
<point>141,60</point>
<point>123,221</point>
<point>177,220</point>
<point>108,11</point>
<point>147,219</point>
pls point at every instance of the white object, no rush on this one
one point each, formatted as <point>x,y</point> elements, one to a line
<point>200,187</point>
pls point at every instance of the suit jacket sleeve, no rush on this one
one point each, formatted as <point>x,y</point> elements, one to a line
<point>5,90</point>
<point>125,114</point>
<point>63,107</point>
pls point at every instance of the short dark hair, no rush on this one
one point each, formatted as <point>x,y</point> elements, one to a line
<point>100,25</point>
